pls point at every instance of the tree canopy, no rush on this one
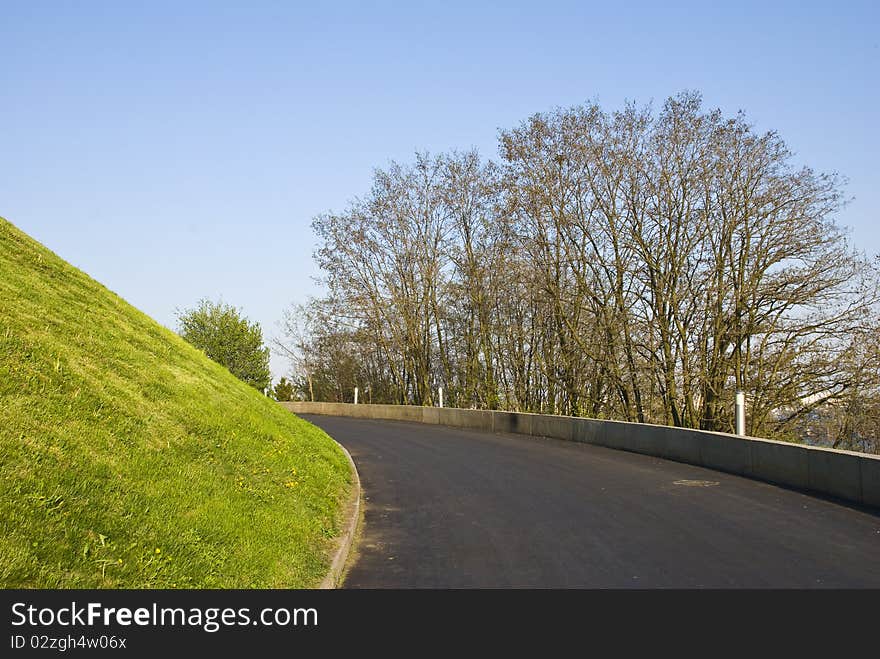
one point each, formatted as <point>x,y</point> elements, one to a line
<point>640,264</point>
<point>230,339</point>
<point>283,390</point>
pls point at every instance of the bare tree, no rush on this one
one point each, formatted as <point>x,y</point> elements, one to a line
<point>638,264</point>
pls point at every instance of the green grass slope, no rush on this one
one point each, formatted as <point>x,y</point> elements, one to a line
<point>131,460</point>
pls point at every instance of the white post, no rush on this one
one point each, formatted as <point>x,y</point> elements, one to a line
<point>740,413</point>
<point>440,390</point>
<point>355,395</point>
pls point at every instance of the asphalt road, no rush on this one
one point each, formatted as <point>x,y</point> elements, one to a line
<point>452,508</point>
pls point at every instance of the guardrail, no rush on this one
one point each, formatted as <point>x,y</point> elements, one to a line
<point>845,475</point>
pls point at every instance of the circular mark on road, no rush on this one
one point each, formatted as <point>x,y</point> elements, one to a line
<point>689,483</point>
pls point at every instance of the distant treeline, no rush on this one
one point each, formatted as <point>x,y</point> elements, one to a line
<point>638,265</point>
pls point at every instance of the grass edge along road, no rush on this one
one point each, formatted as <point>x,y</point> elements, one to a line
<point>131,460</point>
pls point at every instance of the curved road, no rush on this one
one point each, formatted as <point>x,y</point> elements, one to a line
<point>453,508</point>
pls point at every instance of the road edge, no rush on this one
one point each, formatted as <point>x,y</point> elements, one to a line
<point>843,475</point>
<point>352,507</point>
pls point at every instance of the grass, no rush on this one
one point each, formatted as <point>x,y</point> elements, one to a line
<point>131,460</point>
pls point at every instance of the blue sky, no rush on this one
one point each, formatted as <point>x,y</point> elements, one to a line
<point>179,150</point>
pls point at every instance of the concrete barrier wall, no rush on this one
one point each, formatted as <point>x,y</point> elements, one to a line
<point>843,474</point>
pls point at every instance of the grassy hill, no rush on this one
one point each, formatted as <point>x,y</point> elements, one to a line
<point>131,460</point>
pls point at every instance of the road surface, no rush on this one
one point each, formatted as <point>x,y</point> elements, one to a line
<point>453,508</point>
